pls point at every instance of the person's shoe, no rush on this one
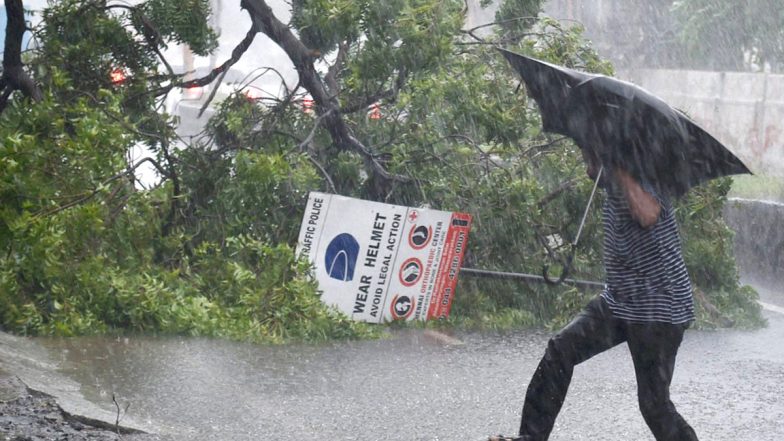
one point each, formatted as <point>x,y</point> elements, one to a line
<point>504,438</point>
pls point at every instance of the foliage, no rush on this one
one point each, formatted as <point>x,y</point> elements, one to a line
<point>485,153</point>
<point>708,251</point>
<point>517,16</point>
<point>383,42</point>
<point>323,24</point>
<point>209,250</point>
<point>85,254</point>
<point>731,35</point>
<point>178,22</point>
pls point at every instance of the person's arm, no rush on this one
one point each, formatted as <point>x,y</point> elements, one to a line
<point>644,208</point>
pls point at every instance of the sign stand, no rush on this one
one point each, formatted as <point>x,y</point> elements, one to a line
<point>526,277</point>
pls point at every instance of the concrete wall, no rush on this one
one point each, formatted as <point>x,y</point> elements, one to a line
<point>743,110</point>
<point>759,240</point>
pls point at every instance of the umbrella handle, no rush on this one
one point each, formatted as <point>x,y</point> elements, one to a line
<point>565,263</point>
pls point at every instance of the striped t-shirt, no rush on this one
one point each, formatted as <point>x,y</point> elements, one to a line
<point>647,279</point>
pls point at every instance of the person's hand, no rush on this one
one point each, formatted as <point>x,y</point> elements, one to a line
<point>592,163</point>
<point>644,208</point>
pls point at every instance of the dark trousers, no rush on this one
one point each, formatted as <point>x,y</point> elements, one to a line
<point>653,347</point>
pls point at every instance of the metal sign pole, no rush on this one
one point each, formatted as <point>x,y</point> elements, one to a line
<point>526,277</point>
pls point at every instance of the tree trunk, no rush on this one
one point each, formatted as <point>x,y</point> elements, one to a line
<point>14,76</point>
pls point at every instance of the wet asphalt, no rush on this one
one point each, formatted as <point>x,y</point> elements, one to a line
<point>417,385</point>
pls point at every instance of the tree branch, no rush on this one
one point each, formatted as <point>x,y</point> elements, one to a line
<point>496,23</point>
<point>562,187</point>
<point>212,93</point>
<point>541,147</point>
<point>151,36</point>
<point>332,73</point>
<point>712,310</point>
<point>389,95</point>
<point>303,58</point>
<point>482,154</point>
<point>14,31</point>
<point>253,76</point>
<point>85,197</point>
<point>7,91</point>
<point>309,152</point>
<point>176,191</point>
<point>323,171</point>
<point>236,54</point>
<point>304,144</point>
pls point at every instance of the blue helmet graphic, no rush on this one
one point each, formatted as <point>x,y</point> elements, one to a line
<point>341,257</point>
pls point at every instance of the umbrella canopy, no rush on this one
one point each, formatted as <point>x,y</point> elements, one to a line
<point>626,126</point>
<point>549,85</point>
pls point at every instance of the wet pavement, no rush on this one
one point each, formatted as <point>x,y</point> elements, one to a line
<point>26,415</point>
<point>417,385</point>
<point>39,403</point>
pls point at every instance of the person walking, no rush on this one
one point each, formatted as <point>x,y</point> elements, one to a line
<point>647,302</point>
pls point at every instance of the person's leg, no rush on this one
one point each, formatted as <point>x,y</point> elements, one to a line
<point>593,331</point>
<point>653,348</point>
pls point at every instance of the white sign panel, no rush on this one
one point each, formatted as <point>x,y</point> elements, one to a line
<point>378,262</point>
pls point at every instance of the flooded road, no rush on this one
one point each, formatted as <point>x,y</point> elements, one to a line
<point>417,386</point>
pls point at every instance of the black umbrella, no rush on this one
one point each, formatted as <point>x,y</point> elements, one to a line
<point>626,126</point>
